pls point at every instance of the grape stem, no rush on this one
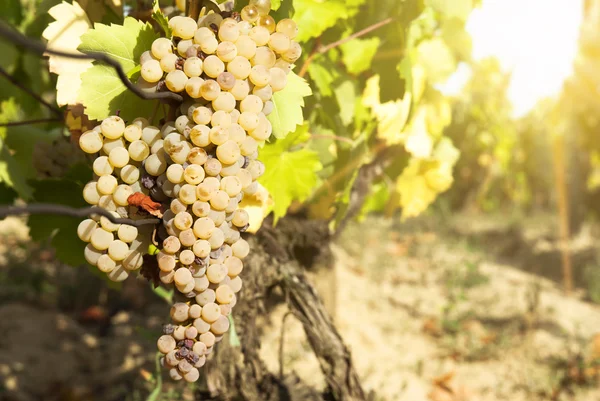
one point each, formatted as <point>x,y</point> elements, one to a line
<point>43,208</point>
<point>324,49</point>
<point>30,92</point>
<point>39,48</point>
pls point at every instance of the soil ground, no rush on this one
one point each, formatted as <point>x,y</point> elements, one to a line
<point>459,309</point>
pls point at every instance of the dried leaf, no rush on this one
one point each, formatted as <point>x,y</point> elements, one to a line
<point>146,203</point>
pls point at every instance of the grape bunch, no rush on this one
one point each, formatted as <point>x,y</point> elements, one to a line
<point>54,159</point>
<point>198,167</point>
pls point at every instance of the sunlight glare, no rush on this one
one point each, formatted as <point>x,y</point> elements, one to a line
<point>535,39</point>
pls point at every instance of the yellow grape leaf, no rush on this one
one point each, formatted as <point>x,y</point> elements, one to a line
<point>64,34</point>
<point>258,206</point>
<point>439,178</point>
<point>392,116</point>
<point>415,194</point>
<point>418,141</point>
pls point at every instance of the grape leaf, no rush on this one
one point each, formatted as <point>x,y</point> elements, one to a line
<point>287,106</point>
<point>62,230</point>
<point>161,19</point>
<point>452,8</point>
<point>322,76</point>
<point>65,34</point>
<point>102,92</point>
<point>124,43</point>
<point>415,194</point>
<point>346,98</point>
<point>437,59</point>
<point>392,116</point>
<point>357,54</point>
<point>291,175</point>
<point>315,16</point>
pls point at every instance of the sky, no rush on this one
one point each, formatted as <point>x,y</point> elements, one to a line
<point>535,39</point>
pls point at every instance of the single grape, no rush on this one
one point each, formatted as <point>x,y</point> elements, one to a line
<point>229,31</point>
<point>288,27</point>
<point>161,47</point>
<point>176,81</point>
<point>246,47</point>
<point>193,67</point>
<point>268,22</point>
<point>91,142</point>
<point>250,13</point>
<point>151,71</point>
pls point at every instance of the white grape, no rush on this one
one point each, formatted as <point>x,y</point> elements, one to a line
<point>118,250</point>
<point>176,81</point>
<point>106,264</point>
<point>118,157</point>
<point>279,42</point>
<point>91,142</point>
<point>112,127</point>
<point>122,194</point>
<point>102,166</point>
<point>101,239</point>
<point>193,67</point>
<point>107,184</point>
<point>161,47</point>
<point>85,229</point>
<point>151,71</point>
<point>288,27</point>
<point>213,66</point>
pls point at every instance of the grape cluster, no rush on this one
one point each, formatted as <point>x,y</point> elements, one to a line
<point>54,159</point>
<point>199,167</point>
<point>118,153</point>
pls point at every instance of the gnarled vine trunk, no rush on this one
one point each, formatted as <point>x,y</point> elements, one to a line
<point>279,259</point>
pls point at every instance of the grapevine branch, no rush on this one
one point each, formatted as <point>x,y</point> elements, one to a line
<point>39,48</point>
<point>60,210</point>
<point>31,93</point>
<point>324,49</point>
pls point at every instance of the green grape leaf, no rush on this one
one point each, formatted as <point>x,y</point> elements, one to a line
<point>437,59</point>
<point>290,173</point>
<point>346,98</point>
<point>287,106</point>
<point>452,8</point>
<point>376,201</point>
<point>323,77</point>
<point>161,19</point>
<point>60,229</point>
<point>102,92</point>
<point>16,148</point>
<point>315,16</point>
<point>357,54</point>
<point>125,43</point>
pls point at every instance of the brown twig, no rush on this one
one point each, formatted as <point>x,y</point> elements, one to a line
<point>324,49</point>
<point>39,48</point>
<point>60,210</point>
<point>30,122</point>
<point>30,92</point>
